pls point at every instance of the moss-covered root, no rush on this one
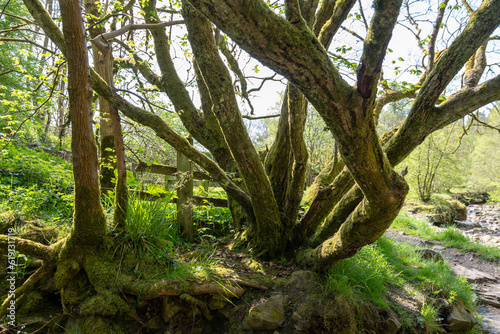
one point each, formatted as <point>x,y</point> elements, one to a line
<point>24,289</point>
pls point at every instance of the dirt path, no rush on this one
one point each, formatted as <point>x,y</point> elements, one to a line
<point>484,276</point>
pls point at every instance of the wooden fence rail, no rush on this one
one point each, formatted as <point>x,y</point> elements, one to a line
<point>185,198</point>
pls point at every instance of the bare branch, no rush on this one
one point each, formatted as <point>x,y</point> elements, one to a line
<point>260,117</point>
<point>484,123</point>
<point>25,40</point>
<point>353,33</point>
<point>101,40</point>
<point>23,19</point>
<point>435,31</point>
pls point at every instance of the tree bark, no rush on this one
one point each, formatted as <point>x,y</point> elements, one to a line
<point>89,223</point>
<point>112,148</point>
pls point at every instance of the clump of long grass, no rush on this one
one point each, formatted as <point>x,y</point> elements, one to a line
<point>365,275</point>
<point>150,226</point>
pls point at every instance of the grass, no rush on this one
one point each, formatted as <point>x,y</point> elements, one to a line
<point>387,265</point>
<point>450,236</point>
<point>150,227</point>
<point>35,184</point>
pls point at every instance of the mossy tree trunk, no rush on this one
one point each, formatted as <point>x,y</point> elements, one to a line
<point>112,148</point>
<point>89,224</point>
<point>347,111</point>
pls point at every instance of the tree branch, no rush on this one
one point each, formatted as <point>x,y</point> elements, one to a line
<point>435,31</point>
<point>378,36</point>
<point>25,40</point>
<point>330,28</point>
<point>101,40</point>
<point>157,124</point>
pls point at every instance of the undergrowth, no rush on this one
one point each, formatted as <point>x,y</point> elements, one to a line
<point>388,264</point>
<point>35,185</point>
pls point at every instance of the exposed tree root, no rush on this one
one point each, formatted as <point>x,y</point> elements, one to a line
<point>29,247</point>
<point>197,303</point>
<point>246,283</point>
<point>103,276</point>
<point>154,289</point>
<point>25,289</point>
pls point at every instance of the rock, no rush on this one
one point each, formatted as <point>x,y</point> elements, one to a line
<point>217,302</point>
<point>471,274</point>
<point>296,316</point>
<point>169,309</point>
<point>491,298</point>
<point>460,319</point>
<point>303,280</point>
<point>267,315</point>
<point>430,254</point>
<point>391,326</point>
<point>105,303</point>
<point>155,323</point>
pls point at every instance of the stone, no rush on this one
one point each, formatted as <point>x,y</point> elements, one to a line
<point>155,323</point>
<point>391,326</point>
<point>460,319</point>
<point>471,274</point>
<point>491,298</point>
<point>303,280</point>
<point>169,309</point>
<point>296,316</point>
<point>267,315</point>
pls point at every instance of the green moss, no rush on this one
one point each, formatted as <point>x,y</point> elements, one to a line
<point>105,303</point>
<point>93,325</point>
<point>65,271</point>
<point>33,303</point>
<point>255,266</point>
<point>75,292</point>
<point>89,227</point>
<point>101,272</point>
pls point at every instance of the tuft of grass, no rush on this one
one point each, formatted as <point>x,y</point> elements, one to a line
<point>366,274</point>
<point>430,317</point>
<point>150,226</point>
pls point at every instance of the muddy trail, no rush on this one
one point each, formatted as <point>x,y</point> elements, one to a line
<point>483,225</point>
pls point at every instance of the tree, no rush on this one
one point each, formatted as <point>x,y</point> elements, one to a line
<point>295,47</point>
<point>483,173</point>
<point>357,195</point>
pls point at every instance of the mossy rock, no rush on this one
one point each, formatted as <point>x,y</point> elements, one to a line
<point>93,325</point>
<point>473,198</point>
<point>267,315</point>
<point>447,212</point>
<point>105,303</point>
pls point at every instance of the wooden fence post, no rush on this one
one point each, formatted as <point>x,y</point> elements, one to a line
<point>184,194</point>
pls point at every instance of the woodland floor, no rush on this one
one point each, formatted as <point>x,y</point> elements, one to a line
<point>275,278</point>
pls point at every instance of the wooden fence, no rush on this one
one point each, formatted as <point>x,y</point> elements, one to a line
<point>185,198</point>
